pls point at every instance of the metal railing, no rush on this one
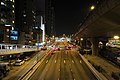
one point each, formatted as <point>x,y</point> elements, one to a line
<point>19,50</point>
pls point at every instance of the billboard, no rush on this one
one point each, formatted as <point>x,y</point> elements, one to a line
<point>12,32</point>
<point>14,38</point>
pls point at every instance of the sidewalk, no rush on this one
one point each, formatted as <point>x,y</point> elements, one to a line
<point>103,66</point>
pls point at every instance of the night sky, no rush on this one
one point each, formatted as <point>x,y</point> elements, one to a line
<point>70,13</point>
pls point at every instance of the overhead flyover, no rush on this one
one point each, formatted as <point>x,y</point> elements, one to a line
<point>101,23</point>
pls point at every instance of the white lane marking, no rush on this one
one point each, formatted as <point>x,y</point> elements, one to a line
<point>59,70</point>
<point>64,61</point>
<point>72,61</point>
<point>80,61</point>
<point>47,61</point>
<point>55,61</point>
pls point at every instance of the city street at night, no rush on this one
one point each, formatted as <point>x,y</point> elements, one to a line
<point>59,39</point>
<point>63,65</point>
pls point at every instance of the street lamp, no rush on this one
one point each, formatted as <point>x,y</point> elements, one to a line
<point>81,39</point>
<point>116,37</point>
<point>92,7</point>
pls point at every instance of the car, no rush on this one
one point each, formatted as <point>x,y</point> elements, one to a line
<point>27,58</point>
<point>58,49</point>
<point>53,52</point>
<point>68,48</point>
<point>11,62</point>
<point>19,62</point>
<point>44,48</point>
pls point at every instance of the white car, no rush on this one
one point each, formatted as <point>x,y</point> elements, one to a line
<point>19,62</point>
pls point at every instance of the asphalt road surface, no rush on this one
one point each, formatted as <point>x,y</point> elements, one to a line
<point>63,65</point>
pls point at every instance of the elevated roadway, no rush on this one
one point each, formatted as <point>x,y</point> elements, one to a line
<point>103,21</point>
<point>101,24</point>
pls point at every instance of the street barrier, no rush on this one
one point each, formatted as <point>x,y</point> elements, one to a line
<point>98,75</point>
<point>15,51</point>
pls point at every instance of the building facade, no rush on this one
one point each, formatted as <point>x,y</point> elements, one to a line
<point>7,20</point>
<point>25,20</point>
<point>50,17</point>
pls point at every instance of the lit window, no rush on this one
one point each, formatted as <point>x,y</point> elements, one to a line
<point>7,30</point>
<point>13,11</point>
<point>12,28</point>
<point>7,35</point>
<point>24,15</point>
<point>13,1</point>
<point>10,0</point>
<point>34,16</point>
<point>2,3</point>
<point>13,6</point>
<point>32,11</point>
<point>2,20</point>
<point>36,27</point>
<point>24,22</point>
<point>13,21</point>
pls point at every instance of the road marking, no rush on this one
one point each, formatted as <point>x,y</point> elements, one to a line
<point>59,70</point>
<point>64,61</point>
<point>72,61</point>
<point>58,79</point>
<point>55,61</point>
<point>47,61</point>
<point>74,79</point>
<point>80,61</point>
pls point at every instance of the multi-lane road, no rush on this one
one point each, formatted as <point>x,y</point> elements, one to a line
<point>63,65</point>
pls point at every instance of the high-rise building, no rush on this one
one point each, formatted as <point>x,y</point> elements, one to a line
<point>25,20</point>
<point>50,17</point>
<point>7,20</point>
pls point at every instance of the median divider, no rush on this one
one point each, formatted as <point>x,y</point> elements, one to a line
<point>98,75</point>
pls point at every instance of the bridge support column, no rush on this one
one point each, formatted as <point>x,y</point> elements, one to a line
<point>95,43</point>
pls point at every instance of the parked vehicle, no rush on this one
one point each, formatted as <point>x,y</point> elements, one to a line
<point>44,48</point>
<point>27,58</point>
<point>19,62</point>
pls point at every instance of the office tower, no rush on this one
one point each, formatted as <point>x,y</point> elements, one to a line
<point>7,19</point>
<point>50,17</point>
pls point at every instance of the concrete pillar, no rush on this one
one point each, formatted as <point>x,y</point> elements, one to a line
<point>95,43</point>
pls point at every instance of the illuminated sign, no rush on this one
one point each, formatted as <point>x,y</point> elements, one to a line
<point>14,38</point>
